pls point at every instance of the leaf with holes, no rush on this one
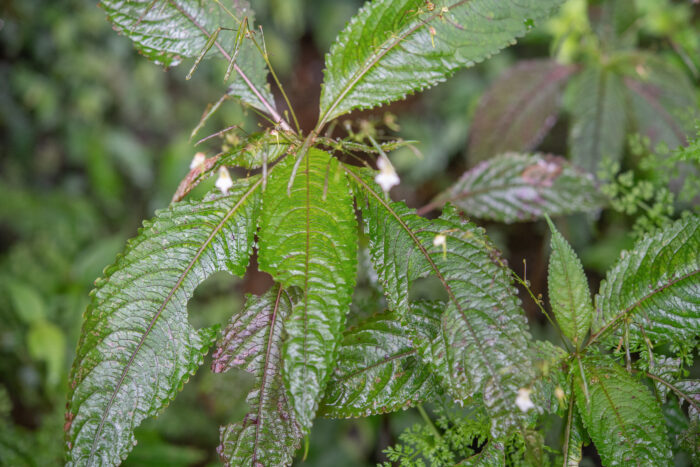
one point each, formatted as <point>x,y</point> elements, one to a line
<point>166,31</point>
<point>518,110</point>
<point>483,345</point>
<point>392,48</point>
<point>656,286</point>
<point>269,434</point>
<point>523,187</point>
<point>308,239</point>
<point>621,416</point>
<point>137,348</point>
<point>379,370</point>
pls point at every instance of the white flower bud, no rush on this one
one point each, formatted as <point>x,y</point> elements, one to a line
<point>440,240</point>
<point>224,182</point>
<point>523,400</point>
<point>387,177</point>
<point>197,160</point>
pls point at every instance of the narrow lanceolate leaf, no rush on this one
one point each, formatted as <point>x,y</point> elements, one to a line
<point>596,103</point>
<point>269,434</point>
<point>379,370</point>
<point>308,239</point>
<point>483,346</point>
<point>518,109</point>
<point>166,31</point>
<point>523,187</point>
<point>569,294</point>
<point>661,100</point>
<point>392,48</point>
<point>137,348</point>
<point>656,286</point>
<point>574,434</point>
<point>621,416</point>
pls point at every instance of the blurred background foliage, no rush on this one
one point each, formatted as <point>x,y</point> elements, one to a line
<point>95,138</point>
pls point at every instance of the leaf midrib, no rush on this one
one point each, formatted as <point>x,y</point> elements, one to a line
<point>177,285</point>
<point>366,368</point>
<point>263,380</point>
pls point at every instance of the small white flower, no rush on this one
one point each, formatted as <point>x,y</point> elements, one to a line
<point>224,181</point>
<point>197,160</point>
<point>523,400</point>
<point>387,177</point>
<point>440,240</point>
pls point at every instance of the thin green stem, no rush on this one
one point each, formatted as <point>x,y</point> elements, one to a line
<point>538,302</point>
<point>583,379</point>
<point>428,421</point>
<point>263,52</point>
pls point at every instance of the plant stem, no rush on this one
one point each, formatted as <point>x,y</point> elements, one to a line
<point>428,422</point>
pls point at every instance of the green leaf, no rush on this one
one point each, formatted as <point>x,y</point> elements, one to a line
<point>378,366</point>
<point>661,99</point>
<point>46,342</point>
<point>523,187</point>
<point>595,100</point>
<point>574,435</point>
<point>656,286</point>
<point>166,31</point>
<point>27,302</point>
<point>518,110</point>
<point>484,344</point>
<point>569,294</point>
<point>392,48</point>
<point>308,239</point>
<point>621,416</point>
<point>137,348</point>
<point>269,434</point>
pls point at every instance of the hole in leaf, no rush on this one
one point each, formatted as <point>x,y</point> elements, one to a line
<point>427,288</point>
<point>215,300</point>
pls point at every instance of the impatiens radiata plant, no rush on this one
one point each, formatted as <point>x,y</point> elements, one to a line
<point>309,205</point>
